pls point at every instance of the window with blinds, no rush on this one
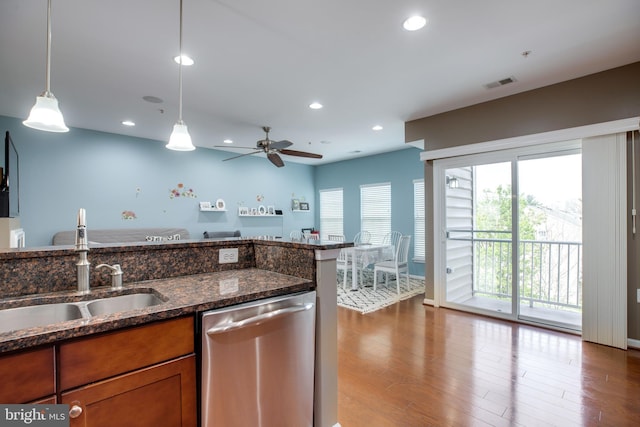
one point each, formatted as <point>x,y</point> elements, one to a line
<point>331,213</point>
<point>418,219</point>
<point>375,210</point>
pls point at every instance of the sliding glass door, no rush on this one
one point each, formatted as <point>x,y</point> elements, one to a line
<point>511,234</point>
<point>550,239</point>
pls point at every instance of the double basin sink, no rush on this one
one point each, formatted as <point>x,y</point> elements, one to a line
<point>30,316</point>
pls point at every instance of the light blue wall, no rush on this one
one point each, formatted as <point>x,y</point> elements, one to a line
<point>400,168</point>
<point>107,174</point>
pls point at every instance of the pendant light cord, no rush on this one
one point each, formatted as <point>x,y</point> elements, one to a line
<point>47,85</point>
<point>179,70</point>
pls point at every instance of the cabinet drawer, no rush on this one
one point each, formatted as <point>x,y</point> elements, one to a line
<point>106,355</point>
<point>27,376</point>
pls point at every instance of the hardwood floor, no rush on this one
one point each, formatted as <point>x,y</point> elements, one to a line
<point>415,365</point>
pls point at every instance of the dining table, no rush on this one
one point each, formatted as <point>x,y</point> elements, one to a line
<point>364,254</point>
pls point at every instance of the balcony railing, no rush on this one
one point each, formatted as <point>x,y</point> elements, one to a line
<point>549,272</point>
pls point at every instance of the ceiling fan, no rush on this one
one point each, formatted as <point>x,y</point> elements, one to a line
<point>273,149</point>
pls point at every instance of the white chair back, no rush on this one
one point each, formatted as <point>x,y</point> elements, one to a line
<point>402,251</point>
<point>392,239</point>
<point>336,237</point>
<point>362,237</point>
<point>295,235</point>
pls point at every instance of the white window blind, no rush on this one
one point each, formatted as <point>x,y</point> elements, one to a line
<point>418,219</point>
<point>331,212</point>
<point>375,210</point>
<point>604,239</point>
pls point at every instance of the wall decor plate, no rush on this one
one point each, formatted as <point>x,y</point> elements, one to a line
<point>220,204</point>
<point>262,210</point>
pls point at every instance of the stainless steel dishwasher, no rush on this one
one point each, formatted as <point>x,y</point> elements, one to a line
<point>258,363</point>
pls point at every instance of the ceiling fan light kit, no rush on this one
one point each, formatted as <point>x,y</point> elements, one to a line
<point>45,114</point>
<point>273,149</point>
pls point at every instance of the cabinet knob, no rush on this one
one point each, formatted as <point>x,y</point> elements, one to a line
<point>75,411</point>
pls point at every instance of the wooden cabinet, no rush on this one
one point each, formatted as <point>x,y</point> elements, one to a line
<point>160,395</point>
<point>142,376</point>
<point>28,376</point>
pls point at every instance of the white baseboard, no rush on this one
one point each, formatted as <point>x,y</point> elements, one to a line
<point>428,301</point>
<point>631,343</point>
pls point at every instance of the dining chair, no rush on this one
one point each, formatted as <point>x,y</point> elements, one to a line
<point>295,235</point>
<point>343,262</point>
<point>399,264</point>
<point>336,237</point>
<point>392,239</point>
<point>362,237</point>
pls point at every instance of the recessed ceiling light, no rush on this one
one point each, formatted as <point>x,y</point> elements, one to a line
<point>315,106</point>
<point>414,23</point>
<point>228,141</point>
<point>377,127</point>
<point>186,61</point>
<point>128,123</point>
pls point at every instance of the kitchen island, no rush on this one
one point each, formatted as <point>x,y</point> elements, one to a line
<point>190,279</point>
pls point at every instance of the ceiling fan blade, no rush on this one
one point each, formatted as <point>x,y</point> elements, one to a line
<point>242,155</point>
<point>300,154</point>
<point>278,145</point>
<point>275,159</point>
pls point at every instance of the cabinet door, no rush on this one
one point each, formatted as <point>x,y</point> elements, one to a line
<point>27,376</point>
<point>161,395</point>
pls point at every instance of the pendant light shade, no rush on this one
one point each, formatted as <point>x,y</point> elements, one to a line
<point>45,114</point>
<point>180,140</point>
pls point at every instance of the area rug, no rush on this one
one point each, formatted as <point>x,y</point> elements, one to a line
<point>365,300</point>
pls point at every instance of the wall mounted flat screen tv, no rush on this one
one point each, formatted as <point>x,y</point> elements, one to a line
<point>9,180</point>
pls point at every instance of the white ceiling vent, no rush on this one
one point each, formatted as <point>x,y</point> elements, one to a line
<point>500,82</point>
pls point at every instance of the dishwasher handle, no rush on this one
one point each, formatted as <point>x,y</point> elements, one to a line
<point>262,318</point>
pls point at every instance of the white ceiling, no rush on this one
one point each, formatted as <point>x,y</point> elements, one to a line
<point>262,62</point>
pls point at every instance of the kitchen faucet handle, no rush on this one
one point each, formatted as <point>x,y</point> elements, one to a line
<point>116,275</point>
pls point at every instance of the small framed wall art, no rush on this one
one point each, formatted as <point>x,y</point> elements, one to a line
<point>304,206</point>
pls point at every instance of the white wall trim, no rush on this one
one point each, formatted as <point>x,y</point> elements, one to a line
<point>428,301</point>
<point>579,132</point>
<point>631,343</point>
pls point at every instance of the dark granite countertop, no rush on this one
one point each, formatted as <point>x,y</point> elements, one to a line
<point>184,296</point>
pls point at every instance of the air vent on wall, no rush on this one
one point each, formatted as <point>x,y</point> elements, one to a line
<point>500,82</point>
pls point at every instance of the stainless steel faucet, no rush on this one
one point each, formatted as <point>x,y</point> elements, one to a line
<point>82,247</point>
<point>116,275</point>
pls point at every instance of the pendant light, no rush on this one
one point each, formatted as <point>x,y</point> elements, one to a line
<point>180,140</point>
<point>45,114</point>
